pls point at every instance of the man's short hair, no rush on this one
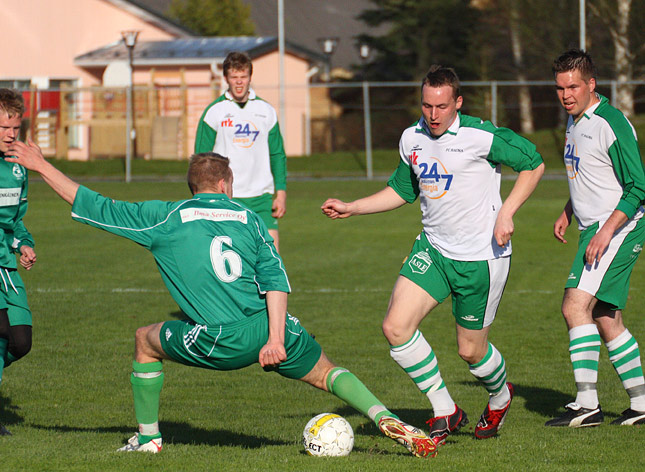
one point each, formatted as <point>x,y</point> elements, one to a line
<point>206,169</point>
<point>438,76</point>
<point>11,102</point>
<point>575,59</point>
<point>237,61</point>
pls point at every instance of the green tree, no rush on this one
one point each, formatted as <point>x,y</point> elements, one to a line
<point>420,34</point>
<point>213,17</point>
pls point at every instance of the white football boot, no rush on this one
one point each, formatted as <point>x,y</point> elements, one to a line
<point>154,446</point>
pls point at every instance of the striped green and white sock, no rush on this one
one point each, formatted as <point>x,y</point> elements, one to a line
<point>626,358</point>
<point>420,363</point>
<point>491,371</point>
<point>584,350</point>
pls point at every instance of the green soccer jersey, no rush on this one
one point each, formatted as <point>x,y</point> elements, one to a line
<point>215,256</point>
<point>13,206</point>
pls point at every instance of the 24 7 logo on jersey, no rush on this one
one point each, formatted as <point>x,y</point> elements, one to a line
<point>434,178</point>
<point>571,161</point>
<point>420,262</point>
<point>245,134</point>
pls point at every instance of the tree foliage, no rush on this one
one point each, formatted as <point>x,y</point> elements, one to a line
<point>474,36</point>
<point>213,17</point>
<point>421,33</point>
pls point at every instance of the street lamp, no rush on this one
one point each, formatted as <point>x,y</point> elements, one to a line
<point>130,40</point>
<point>364,52</point>
<point>328,46</point>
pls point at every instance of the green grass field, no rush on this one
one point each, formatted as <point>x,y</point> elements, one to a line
<point>69,406</point>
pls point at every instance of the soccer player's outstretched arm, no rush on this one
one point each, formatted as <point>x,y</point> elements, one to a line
<point>30,156</point>
<point>384,200</point>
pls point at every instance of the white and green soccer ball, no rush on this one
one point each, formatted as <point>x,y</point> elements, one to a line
<point>328,435</point>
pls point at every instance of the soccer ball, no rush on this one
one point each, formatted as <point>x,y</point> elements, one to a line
<point>328,435</point>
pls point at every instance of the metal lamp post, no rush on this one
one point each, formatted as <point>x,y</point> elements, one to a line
<point>130,40</point>
<point>364,52</point>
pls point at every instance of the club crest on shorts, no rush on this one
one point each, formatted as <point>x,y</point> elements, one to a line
<point>420,262</point>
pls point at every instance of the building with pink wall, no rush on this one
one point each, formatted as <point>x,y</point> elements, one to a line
<point>70,44</point>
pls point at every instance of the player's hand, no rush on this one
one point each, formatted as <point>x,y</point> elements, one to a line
<point>560,227</point>
<point>272,354</point>
<point>334,208</point>
<point>504,229</point>
<point>27,257</point>
<point>279,206</point>
<point>28,155</point>
<point>598,245</point>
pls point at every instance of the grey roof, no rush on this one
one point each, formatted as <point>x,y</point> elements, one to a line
<point>305,22</point>
<point>146,11</point>
<point>189,51</point>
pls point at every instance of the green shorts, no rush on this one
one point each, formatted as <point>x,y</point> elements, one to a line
<point>608,280</point>
<point>13,297</point>
<point>262,206</point>
<point>237,345</point>
<point>476,286</point>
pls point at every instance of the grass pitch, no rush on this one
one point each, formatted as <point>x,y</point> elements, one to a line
<point>69,405</point>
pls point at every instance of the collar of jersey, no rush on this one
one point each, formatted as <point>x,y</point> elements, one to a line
<point>217,196</point>
<point>252,95</point>
<point>454,127</point>
<point>590,111</point>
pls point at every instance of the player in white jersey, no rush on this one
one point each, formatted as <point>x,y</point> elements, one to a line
<point>243,127</point>
<point>452,163</point>
<point>607,187</point>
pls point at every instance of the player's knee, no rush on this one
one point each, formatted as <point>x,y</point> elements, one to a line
<point>469,354</point>
<point>21,348</point>
<point>394,332</point>
<point>472,352</point>
<point>20,341</point>
<point>141,337</point>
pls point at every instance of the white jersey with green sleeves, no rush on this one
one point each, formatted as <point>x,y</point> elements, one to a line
<point>249,135</point>
<point>215,256</point>
<point>604,165</point>
<point>457,178</point>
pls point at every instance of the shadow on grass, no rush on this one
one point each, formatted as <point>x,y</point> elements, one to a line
<point>544,401</point>
<point>179,433</point>
<point>8,412</point>
<point>183,433</point>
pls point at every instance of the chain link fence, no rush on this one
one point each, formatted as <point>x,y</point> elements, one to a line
<point>82,123</point>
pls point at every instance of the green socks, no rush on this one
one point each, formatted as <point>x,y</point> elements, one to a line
<point>352,391</point>
<point>147,380</point>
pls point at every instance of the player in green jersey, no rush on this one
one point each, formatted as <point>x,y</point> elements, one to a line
<point>219,263</point>
<point>15,316</point>
<point>606,180</point>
